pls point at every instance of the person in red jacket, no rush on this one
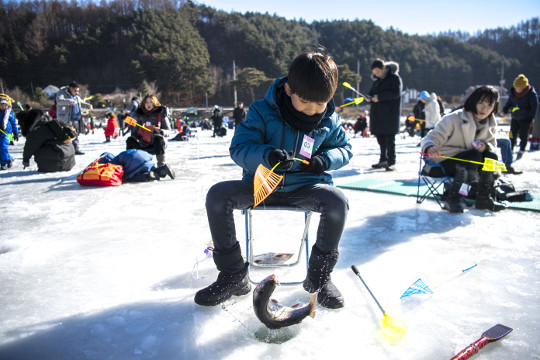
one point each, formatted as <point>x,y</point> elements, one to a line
<point>112,128</point>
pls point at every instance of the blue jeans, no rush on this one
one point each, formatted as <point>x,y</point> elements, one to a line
<point>224,197</point>
<point>506,150</point>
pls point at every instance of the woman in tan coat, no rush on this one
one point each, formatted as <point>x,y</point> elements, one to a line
<point>468,134</point>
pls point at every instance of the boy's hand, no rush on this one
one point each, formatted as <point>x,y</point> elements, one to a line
<point>282,157</point>
<point>316,165</point>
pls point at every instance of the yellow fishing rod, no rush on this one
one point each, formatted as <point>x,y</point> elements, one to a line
<point>131,121</point>
<point>488,164</point>
<point>355,101</point>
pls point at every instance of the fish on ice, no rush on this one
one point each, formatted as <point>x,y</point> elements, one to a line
<point>274,315</point>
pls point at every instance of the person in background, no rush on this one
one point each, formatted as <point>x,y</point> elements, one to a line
<point>239,114</point>
<point>419,112</point>
<point>506,155</point>
<point>522,105</point>
<point>432,111</point>
<point>217,119</point>
<point>68,109</point>
<point>361,124</point>
<point>112,128</point>
<point>385,99</point>
<point>467,134</point>
<point>129,111</point>
<point>297,110</point>
<point>50,142</point>
<point>52,111</point>
<point>137,165</point>
<point>441,105</point>
<point>8,129</point>
<point>154,117</point>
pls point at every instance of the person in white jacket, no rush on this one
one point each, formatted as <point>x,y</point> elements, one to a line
<point>432,111</point>
<point>467,134</point>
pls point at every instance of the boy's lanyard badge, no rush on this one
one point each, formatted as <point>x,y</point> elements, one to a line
<point>307,146</point>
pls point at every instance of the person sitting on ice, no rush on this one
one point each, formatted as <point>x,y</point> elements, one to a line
<point>50,142</point>
<point>154,117</point>
<point>138,166</point>
<point>467,134</point>
<point>112,128</point>
<point>295,119</point>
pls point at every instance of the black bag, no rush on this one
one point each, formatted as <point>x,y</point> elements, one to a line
<point>504,190</point>
<point>62,131</point>
<point>221,131</point>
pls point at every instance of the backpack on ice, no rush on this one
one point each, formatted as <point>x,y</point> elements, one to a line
<point>221,132</point>
<point>62,131</point>
<point>101,175</point>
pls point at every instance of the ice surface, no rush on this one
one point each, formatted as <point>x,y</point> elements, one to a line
<point>106,273</point>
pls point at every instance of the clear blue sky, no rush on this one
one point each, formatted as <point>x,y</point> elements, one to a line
<point>409,16</point>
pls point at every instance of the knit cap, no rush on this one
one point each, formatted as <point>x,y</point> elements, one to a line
<point>521,82</point>
<point>424,95</point>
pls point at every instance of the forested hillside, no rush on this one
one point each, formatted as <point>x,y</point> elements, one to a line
<point>186,50</point>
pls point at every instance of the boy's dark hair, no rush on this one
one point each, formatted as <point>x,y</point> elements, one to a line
<point>74,84</point>
<point>484,92</point>
<point>378,63</point>
<point>313,76</point>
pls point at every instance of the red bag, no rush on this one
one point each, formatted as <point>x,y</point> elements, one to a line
<point>146,135</point>
<point>101,175</point>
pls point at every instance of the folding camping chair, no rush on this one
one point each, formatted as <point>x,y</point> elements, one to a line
<point>434,185</point>
<point>252,259</point>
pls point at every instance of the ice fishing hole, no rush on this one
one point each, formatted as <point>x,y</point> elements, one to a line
<point>278,336</point>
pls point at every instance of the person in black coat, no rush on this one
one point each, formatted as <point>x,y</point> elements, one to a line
<point>49,142</point>
<point>239,114</point>
<point>522,105</point>
<point>217,120</point>
<point>385,99</point>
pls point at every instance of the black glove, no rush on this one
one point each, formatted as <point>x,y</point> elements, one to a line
<point>16,136</point>
<point>282,157</point>
<point>316,165</point>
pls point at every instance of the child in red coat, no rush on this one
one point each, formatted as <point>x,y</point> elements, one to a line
<point>112,128</point>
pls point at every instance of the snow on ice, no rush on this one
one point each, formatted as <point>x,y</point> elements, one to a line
<point>109,273</point>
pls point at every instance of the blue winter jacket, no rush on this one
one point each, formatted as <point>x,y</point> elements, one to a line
<point>264,130</point>
<point>136,163</point>
<point>9,124</point>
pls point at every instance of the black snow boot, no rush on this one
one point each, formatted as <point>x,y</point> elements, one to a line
<point>484,201</point>
<point>152,175</point>
<point>318,278</point>
<point>165,170</point>
<point>232,278</point>
<point>453,201</point>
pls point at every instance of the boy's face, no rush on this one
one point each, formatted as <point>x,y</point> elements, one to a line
<point>307,107</point>
<point>3,106</point>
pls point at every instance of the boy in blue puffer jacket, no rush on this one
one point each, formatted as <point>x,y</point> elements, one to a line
<point>296,119</point>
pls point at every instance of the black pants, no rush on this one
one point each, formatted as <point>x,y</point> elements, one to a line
<point>224,197</point>
<point>449,165</point>
<point>387,144</point>
<point>520,128</point>
<point>157,147</point>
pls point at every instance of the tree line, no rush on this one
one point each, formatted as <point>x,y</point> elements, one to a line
<point>187,50</point>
